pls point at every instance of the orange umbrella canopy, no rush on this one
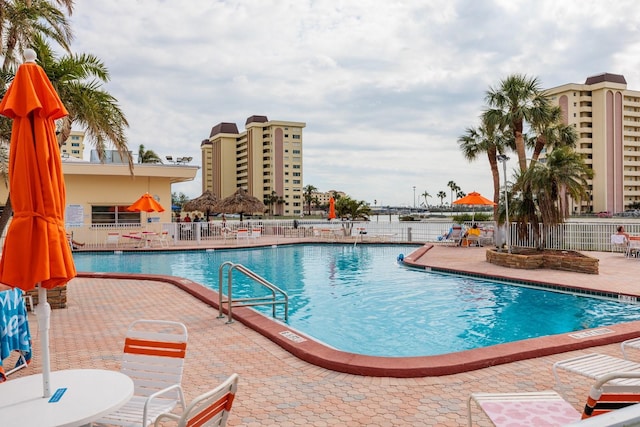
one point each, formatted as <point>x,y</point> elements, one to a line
<point>36,248</point>
<point>146,203</point>
<point>474,198</point>
<point>332,208</point>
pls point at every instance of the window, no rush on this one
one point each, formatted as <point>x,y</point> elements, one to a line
<point>296,166</point>
<point>113,215</point>
<point>296,136</point>
<point>296,151</point>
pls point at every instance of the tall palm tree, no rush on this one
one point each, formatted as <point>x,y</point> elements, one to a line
<point>488,139</point>
<point>441,195</point>
<point>539,198</point>
<point>453,187</point>
<point>426,196</point>
<point>517,100</point>
<point>147,156</point>
<point>78,79</point>
<point>20,22</point>
<point>308,192</point>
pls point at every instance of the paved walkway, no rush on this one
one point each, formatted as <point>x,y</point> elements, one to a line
<point>277,389</point>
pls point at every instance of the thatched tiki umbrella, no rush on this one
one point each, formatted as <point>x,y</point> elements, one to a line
<point>205,203</point>
<point>240,202</point>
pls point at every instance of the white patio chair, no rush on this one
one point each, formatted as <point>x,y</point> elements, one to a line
<point>209,409</point>
<point>620,242</point>
<point>112,239</point>
<point>154,352</point>
<point>242,233</point>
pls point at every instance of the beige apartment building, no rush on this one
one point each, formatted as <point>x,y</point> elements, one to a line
<point>606,116</point>
<point>323,198</point>
<point>74,145</point>
<point>265,159</point>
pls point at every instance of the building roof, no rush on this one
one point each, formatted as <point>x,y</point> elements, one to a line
<point>256,119</point>
<point>224,128</point>
<point>606,77</point>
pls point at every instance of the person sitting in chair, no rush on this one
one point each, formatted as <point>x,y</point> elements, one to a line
<point>474,232</point>
<point>74,244</point>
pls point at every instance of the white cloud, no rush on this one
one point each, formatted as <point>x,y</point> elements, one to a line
<point>385,88</point>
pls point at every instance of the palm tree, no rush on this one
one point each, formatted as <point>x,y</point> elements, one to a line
<point>20,23</point>
<point>273,199</point>
<point>308,192</point>
<point>426,196</point>
<point>539,193</point>
<point>453,187</point>
<point>518,99</point>
<point>78,80</point>
<point>147,156</point>
<point>441,195</point>
<point>490,140</point>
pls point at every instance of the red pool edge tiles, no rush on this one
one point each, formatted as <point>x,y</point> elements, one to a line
<point>319,354</point>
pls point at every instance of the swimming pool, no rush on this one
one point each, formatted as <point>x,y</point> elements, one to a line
<point>358,299</point>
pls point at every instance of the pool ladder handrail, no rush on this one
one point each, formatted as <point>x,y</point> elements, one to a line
<point>272,300</point>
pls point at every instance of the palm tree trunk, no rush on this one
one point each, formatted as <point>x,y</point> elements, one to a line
<point>6,215</point>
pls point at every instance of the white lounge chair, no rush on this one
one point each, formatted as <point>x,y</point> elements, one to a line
<point>596,365</point>
<point>549,408</point>
<point>207,410</point>
<point>154,352</point>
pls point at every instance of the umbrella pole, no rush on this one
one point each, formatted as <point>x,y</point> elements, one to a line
<point>43,312</point>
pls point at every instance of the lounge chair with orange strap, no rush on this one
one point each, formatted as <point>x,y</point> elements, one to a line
<point>549,408</point>
<point>154,353</point>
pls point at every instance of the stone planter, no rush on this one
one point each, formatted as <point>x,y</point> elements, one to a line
<point>57,297</point>
<point>551,259</point>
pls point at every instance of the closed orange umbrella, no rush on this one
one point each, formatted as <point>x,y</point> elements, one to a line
<point>146,203</point>
<point>332,208</point>
<point>36,250</point>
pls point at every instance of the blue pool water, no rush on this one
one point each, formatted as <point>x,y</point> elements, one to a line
<point>358,299</point>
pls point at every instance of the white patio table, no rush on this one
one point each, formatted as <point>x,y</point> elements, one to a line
<point>78,397</point>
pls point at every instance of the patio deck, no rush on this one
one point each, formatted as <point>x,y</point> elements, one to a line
<point>278,389</point>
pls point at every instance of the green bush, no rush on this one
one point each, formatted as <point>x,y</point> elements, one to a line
<point>479,217</point>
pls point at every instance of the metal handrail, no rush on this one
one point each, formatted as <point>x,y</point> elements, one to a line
<point>248,302</point>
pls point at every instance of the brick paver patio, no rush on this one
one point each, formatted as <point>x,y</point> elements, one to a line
<point>277,389</point>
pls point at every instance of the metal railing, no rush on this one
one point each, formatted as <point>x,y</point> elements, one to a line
<point>582,235</point>
<point>271,300</point>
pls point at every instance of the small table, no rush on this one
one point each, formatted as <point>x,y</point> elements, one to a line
<point>79,396</point>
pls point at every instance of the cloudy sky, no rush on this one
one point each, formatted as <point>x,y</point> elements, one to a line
<point>385,87</point>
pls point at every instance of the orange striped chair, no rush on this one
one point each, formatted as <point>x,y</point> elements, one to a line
<point>154,353</point>
<point>207,410</point>
<point>549,408</point>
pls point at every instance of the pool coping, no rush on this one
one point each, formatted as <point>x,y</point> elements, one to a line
<point>319,354</point>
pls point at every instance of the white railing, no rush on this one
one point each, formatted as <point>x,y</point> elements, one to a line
<point>580,236</point>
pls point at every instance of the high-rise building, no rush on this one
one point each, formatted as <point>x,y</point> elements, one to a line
<point>606,116</point>
<point>265,160</point>
<point>74,145</point>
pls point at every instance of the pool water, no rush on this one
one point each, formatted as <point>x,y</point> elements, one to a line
<point>358,299</point>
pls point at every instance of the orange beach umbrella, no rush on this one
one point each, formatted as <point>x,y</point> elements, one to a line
<point>474,199</point>
<point>146,203</point>
<point>36,250</point>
